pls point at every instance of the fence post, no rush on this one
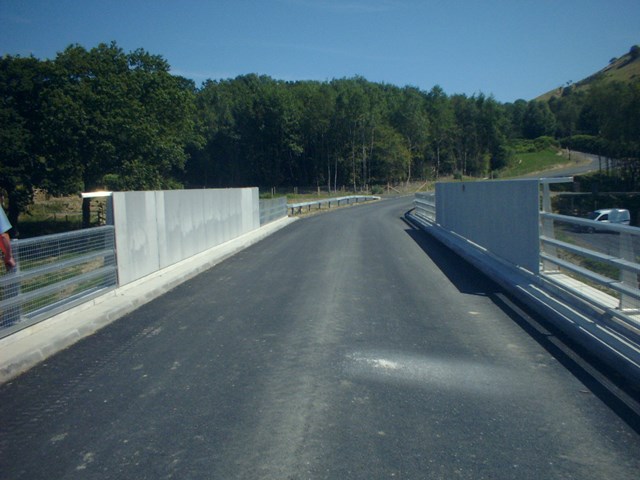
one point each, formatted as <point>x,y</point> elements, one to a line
<point>12,313</point>
<point>547,229</point>
<point>628,278</point>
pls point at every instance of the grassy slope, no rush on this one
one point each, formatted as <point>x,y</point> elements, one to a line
<point>624,69</point>
<point>524,163</point>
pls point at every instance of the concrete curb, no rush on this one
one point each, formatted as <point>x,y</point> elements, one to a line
<point>30,346</point>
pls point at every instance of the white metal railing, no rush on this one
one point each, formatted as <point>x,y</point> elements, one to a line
<point>602,255</point>
<point>337,201</point>
<point>598,262</point>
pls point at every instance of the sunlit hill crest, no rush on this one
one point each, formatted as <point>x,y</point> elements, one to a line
<point>624,69</point>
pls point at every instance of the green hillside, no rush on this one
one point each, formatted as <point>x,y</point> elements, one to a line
<point>623,69</point>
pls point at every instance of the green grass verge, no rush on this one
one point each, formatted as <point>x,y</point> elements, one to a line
<point>524,163</point>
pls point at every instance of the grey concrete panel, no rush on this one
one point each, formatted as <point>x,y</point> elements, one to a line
<point>250,209</point>
<point>136,222</point>
<point>184,231</point>
<point>501,216</point>
<point>157,229</point>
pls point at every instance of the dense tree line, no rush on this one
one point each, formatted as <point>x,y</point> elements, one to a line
<point>90,119</point>
<point>348,132</point>
<point>603,120</point>
<point>103,118</point>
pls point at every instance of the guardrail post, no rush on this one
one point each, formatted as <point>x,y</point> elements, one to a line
<point>297,207</point>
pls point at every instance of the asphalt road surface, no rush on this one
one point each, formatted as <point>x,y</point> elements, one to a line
<point>345,346</point>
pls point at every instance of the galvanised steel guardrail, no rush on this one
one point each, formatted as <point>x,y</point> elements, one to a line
<point>337,201</point>
<point>54,273</point>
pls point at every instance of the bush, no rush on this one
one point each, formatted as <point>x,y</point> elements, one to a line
<point>585,143</point>
<point>523,145</point>
<point>601,182</point>
<point>544,142</point>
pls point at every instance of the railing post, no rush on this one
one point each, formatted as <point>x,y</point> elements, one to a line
<point>11,314</point>
<point>628,278</point>
<point>547,229</point>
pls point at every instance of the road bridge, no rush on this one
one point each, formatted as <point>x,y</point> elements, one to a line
<point>347,345</point>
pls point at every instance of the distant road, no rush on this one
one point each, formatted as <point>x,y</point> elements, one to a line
<point>345,346</point>
<point>581,163</point>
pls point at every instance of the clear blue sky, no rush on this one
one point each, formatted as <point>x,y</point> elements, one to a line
<point>506,48</point>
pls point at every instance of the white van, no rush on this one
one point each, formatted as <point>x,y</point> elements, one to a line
<point>619,216</point>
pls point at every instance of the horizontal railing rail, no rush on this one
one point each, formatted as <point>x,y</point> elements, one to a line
<point>336,201</point>
<point>54,273</point>
<point>591,224</point>
<point>603,255</point>
<point>597,262</point>
<point>590,254</point>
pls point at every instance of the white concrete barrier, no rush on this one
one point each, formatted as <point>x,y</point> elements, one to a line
<point>157,229</point>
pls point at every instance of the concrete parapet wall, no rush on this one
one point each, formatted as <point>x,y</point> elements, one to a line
<point>160,228</point>
<point>500,216</point>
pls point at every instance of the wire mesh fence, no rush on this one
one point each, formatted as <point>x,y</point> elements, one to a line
<point>55,272</point>
<point>272,209</point>
<point>426,205</point>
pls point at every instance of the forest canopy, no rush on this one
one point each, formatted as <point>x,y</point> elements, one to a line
<point>105,118</point>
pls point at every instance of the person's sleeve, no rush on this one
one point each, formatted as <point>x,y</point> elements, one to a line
<point>5,225</point>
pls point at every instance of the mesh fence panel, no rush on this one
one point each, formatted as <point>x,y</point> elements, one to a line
<point>55,272</point>
<point>272,209</point>
<point>426,205</point>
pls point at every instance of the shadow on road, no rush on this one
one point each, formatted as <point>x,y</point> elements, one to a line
<point>612,389</point>
<point>464,276</point>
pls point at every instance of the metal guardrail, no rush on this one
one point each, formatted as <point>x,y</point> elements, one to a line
<point>337,201</point>
<point>54,273</point>
<point>272,209</point>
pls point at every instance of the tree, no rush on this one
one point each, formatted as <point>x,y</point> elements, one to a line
<point>465,136</point>
<point>566,110</point>
<point>349,132</point>
<point>442,121</point>
<point>22,166</point>
<point>493,128</point>
<point>411,120</point>
<point>515,113</point>
<point>118,117</point>
<point>538,120</point>
<point>317,108</point>
<point>392,155</point>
